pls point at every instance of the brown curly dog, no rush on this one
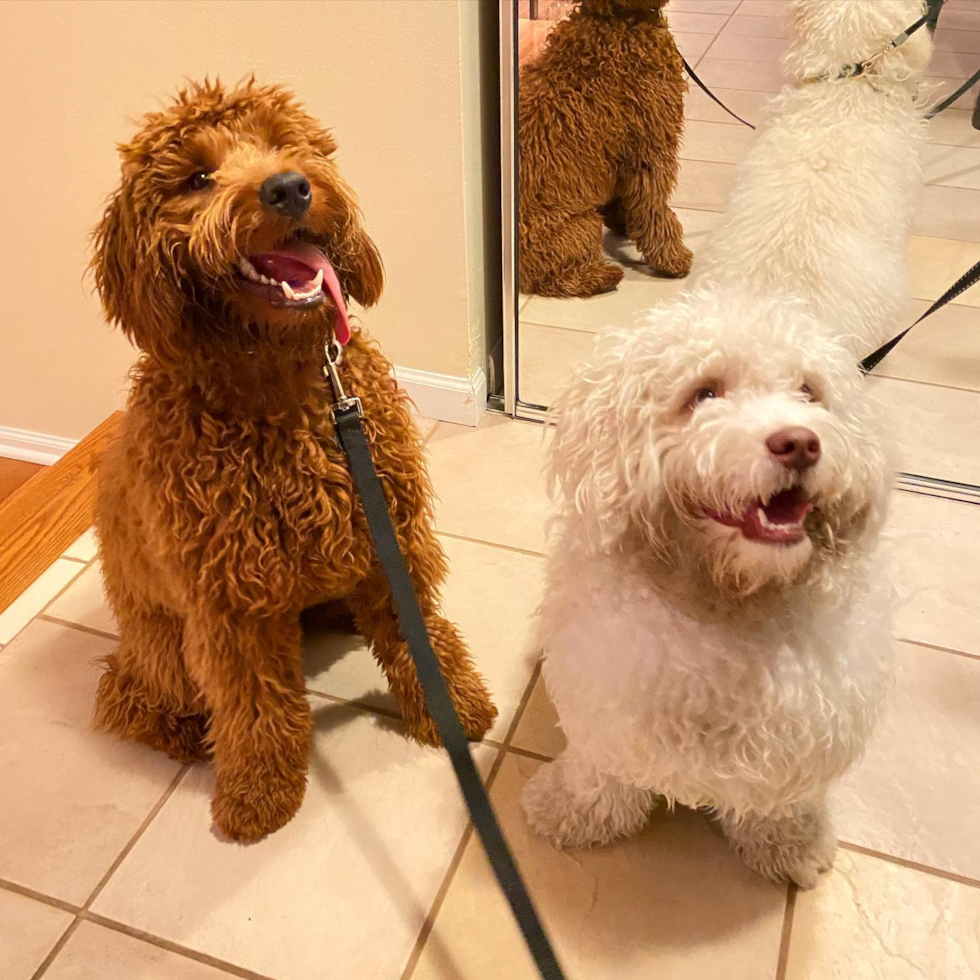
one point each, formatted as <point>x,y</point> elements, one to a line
<point>601,114</point>
<point>226,507</point>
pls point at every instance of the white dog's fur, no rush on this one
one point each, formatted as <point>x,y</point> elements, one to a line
<point>687,661</point>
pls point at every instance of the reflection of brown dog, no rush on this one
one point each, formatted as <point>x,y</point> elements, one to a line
<point>601,114</point>
<point>226,506</point>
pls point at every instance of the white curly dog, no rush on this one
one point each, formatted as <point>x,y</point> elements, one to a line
<point>716,630</point>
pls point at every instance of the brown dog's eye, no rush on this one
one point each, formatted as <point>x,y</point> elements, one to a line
<point>198,180</point>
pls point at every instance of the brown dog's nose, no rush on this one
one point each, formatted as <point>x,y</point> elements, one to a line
<point>795,447</point>
<point>287,193</point>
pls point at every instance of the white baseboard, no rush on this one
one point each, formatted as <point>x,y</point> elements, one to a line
<point>444,396</point>
<point>33,447</point>
<point>437,396</point>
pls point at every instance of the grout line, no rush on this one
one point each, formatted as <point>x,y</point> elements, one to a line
<point>934,646</point>
<point>784,938</point>
<point>431,433</point>
<point>167,793</point>
<point>361,705</point>
<point>529,754</point>
<point>911,865</point>
<point>491,544</point>
<point>718,34</point>
<point>172,947</point>
<point>56,949</point>
<point>423,937</point>
<point>522,704</point>
<point>80,561</point>
<point>24,892</point>
<point>81,627</point>
<point>589,331</point>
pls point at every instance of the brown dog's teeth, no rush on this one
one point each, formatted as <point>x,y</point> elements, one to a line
<point>288,290</point>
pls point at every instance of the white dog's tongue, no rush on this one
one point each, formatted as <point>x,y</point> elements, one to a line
<point>313,257</point>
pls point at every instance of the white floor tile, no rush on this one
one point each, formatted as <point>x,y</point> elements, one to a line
<point>871,920</point>
<point>490,481</point>
<point>936,575</point>
<point>84,548</point>
<point>28,931</point>
<point>938,429</point>
<point>340,891</point>
<point>35,597</point>
<point>72,798</point>
<point>672,902</point>
<point>916,793</point>
<point>96,953</point>
<point>84,602</point>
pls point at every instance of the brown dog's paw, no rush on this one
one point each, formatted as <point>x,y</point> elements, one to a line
<point>476,712</point>
<point>674,262</point>
<point>262,810</point>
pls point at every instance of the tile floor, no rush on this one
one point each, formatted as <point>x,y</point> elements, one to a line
<point>933,378</point>
<point>109,869</point>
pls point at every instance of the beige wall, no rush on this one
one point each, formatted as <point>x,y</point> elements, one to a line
<point>388,76</point>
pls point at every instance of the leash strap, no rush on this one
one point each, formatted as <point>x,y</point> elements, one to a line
<point>855,69</point>
<point>711,95</point>
<point>947,102</point>
<point>350,431</point>
<point>969,278</point>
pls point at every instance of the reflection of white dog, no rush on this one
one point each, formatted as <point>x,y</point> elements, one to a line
<point>824,200</point>
<point>716,629</point>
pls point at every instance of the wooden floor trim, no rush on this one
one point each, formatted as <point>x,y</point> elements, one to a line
<point>39,520</point>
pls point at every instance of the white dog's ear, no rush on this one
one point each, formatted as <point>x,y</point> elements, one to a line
<point>603,461</point>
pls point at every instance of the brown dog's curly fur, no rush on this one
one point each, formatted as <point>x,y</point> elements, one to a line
<point>601,114</point>
<point>226,507</point>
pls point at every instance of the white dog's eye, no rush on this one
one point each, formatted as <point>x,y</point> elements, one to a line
<point>704,393</point>
<point>808,393</point>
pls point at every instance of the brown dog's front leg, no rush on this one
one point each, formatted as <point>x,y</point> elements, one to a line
<point>250,672</point>
<point>377,621</point>
<point>658,233</point>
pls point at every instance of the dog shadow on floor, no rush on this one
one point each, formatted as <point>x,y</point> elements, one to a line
<point>330,638</point>
<point>623,251</point>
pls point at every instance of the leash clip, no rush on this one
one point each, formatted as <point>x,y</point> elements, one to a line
<point>870,63</point>
<point>333,354</point>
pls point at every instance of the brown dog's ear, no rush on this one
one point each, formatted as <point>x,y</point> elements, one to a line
<point>113,240</point>
<point>125,258</point>
<point>361,271</point>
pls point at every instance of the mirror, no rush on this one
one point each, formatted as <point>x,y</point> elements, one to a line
<point>931,383</point>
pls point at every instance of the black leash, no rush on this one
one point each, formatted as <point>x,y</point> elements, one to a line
<point>348,416</point>
<point>711,95</point>
<point>947,102</point>
<point>969,278</point>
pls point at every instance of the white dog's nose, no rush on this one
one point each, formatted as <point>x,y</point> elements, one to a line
<point>795,447</point>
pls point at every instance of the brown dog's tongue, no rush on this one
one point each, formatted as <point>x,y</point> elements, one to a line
<point>314,257</point>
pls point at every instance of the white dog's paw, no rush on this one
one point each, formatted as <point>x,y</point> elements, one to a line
<point>797,848</point>
<point>574,806</point>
